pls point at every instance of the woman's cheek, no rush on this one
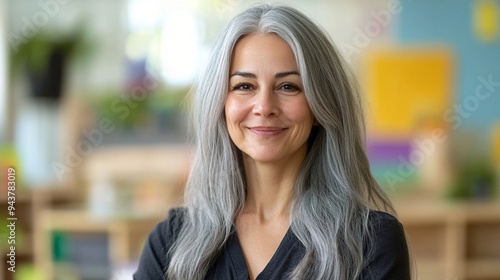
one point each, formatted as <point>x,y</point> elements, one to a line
<point>236,110</point>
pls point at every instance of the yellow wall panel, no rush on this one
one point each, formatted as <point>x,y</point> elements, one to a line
<point>407,89</point>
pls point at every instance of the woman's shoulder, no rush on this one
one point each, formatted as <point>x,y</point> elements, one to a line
<point>379,219</point>
<point>386,230</point>
<point>172,224</point>
<point>168,229</point>
<point>388,254</point>
<point>154,257</point>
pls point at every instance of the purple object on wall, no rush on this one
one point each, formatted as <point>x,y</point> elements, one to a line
<point>388,151</point>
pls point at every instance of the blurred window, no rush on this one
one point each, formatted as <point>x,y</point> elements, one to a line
<point>167,34</point>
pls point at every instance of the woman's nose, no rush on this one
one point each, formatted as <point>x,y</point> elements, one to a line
<point>265,103</point>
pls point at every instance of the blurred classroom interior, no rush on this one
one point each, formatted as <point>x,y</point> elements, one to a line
<point>94,118</point>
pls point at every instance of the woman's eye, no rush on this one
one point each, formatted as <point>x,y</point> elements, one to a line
<point>290,88</point>
<point>242,86</point>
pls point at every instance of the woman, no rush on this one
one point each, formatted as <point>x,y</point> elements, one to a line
<point>280,187</point>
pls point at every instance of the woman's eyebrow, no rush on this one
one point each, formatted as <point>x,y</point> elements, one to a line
<point>252,75</point>
<point>244,74</point>
<point>287,73</point>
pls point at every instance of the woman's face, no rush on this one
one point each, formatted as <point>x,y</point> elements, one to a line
<point>267,114</point>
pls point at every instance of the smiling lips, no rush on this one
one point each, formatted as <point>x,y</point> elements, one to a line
<point>267,131</point>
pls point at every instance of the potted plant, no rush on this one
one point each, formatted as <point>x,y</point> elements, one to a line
<point>43,59</point>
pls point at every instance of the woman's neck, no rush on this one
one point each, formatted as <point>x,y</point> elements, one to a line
<point>270,188</point>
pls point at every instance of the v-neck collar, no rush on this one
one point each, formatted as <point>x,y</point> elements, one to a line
<point>238,259</point>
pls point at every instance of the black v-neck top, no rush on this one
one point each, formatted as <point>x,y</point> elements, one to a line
<point>388,259</point>
<point>231,263</point>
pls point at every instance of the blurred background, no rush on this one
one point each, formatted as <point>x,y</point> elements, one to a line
<point>94,130</point>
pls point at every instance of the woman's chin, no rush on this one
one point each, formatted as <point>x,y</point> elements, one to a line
<point>264,157</point>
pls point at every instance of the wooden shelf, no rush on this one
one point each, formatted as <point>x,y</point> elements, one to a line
<point>431,270</point>
<point>483,269</point>
<point>453,240</point>
<point>125,235</point>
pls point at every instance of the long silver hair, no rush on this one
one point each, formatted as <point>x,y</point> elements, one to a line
<point>334,189</point>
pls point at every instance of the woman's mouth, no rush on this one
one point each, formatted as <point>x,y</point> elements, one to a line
<point>267,131</point>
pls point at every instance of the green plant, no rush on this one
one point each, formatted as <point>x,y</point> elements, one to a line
<point>33,54</point>
<point>474,179</point>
